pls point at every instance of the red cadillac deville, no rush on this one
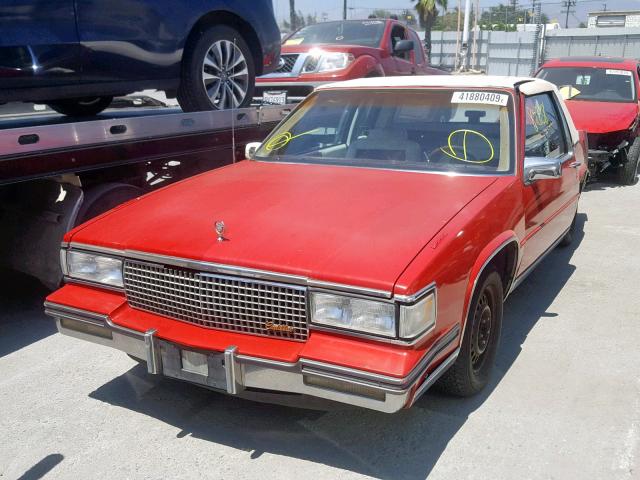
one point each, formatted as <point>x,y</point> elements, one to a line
<point>363,252</point>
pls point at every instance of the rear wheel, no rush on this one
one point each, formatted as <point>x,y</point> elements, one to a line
<point>568,237</point>
<point>218,71</point>
<point>628,173</point>
<point>472,369</point>
<point>81,107</point>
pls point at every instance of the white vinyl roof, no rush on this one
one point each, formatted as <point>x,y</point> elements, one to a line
<point>530,87</point>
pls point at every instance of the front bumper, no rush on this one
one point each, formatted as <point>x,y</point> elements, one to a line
<point>238,374</point>
<point>296,90</point>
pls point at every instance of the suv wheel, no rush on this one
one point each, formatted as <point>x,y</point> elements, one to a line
<point>218,72</point>
<point>628,173</point>
<point>81,107</point>
<point>471,371</point>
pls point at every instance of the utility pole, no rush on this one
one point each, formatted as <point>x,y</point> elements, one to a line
<point>464,52</point>
<point>568,4</point>
<point>344,10</point>
<point>604,7</point>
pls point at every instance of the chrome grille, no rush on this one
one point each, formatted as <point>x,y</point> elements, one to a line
<point>287,63</point>
<point>218,301</point>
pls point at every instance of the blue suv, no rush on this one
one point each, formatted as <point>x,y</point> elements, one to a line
<point>76,55</point>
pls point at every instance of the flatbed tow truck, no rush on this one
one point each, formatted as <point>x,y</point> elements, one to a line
<point>56,173</point>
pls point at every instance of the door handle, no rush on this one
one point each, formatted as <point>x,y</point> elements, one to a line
<point>575,164</point>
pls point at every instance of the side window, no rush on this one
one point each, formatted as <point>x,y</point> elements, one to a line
<point>397,34</point>
<point>417,49</point>
<point>544,135</point>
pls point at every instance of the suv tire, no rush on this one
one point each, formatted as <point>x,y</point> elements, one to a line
<point>81,107</point>
<point>218,71</point>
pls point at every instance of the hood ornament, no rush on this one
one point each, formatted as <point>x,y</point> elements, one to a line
<point>220,230</point>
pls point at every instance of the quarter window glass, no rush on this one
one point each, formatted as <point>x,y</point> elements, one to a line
<point>544,131</point>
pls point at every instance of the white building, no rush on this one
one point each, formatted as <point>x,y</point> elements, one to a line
<point>620,18</point>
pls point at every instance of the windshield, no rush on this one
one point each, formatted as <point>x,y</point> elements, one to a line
<point>431,130</point>
<point>594,84</point>
<point>364,32</point>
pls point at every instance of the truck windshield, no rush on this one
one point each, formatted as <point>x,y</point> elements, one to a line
<point>360,32</point>
<point>593,84</point>
<point>443,130</point>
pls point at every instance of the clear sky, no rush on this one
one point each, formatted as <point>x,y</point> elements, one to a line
<point>360,8</point>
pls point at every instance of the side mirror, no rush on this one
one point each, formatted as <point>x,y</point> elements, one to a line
<point>541,168</point>
<point>250,150</point>
<point>403,46</point>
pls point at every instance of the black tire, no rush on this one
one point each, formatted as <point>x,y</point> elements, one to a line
<point>568,237</point>
<point>102,198</point>
<point>192,94</point>
<point>472,369</point>
<point>81,107</point>
<point>628,172</point>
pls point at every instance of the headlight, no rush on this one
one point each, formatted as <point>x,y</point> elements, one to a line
<point>369,316</point>
<point>94,268</point>
<point>327,62</point>
<point>374,317</point>
<point>419,317</point>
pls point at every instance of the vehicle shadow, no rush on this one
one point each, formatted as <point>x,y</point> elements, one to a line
<point>605,181</point>
<point>405,445</point>
<point>22,318</point>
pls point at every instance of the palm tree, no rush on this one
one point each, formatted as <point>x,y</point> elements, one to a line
<point>427,13</point>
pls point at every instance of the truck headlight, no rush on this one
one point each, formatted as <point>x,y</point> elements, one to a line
<point>94,268</point>
<point>418,318</point>
<point>327,62</point>
<point>368,316</point>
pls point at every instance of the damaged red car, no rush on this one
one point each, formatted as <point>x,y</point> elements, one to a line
<point>361,254</point>
<point>602,96</point>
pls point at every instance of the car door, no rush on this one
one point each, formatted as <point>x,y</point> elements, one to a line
<point>38,43</point>
<point>550,203</point>
<point>419,58</point>
<point>402,60</point>
<point>127,40</point>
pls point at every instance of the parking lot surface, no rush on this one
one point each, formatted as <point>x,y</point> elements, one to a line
<point>564,401</point>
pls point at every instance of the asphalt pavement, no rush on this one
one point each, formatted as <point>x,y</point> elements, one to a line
<point>564,402</point>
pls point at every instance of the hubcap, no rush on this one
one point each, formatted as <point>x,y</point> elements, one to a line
<point>481,332</point>
<point>225,75</point>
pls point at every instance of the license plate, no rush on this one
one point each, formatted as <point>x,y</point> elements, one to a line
<point>194,362</point>
<point>274,98</point>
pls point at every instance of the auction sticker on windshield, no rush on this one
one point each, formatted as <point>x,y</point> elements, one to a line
<point>611,71</point>
<point>486,98</point>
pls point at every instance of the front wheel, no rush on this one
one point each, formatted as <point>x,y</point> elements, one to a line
<point>628,173</point>
<point>471,371</point>
<point>81,107</point>
<point>218,72</point>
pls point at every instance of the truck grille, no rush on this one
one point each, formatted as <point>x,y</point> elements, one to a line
<point>288,61</point>
<point>218,301</point>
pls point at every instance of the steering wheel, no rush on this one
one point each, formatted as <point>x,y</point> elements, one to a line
<point>440,155</point>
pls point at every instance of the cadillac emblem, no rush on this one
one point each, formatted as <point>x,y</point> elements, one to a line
<point>278,327</point>
<point>220,230</point>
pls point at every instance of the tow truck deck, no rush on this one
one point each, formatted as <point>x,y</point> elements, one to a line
<point>56,173</point>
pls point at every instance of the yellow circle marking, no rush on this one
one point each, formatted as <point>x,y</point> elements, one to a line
<point>283,139</point>
<point>462,156</point>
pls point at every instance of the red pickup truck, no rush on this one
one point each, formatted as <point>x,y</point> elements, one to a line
<point>363,253</point>
<point>343,50</point>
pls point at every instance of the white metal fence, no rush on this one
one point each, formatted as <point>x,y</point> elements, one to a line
<point>513,53</point>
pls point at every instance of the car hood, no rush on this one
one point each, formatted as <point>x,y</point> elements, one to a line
<point>354,226</point>
<point>355,49</point>
<point>602,117</point>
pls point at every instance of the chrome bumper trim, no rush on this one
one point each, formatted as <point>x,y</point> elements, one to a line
<point>350,386</point>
